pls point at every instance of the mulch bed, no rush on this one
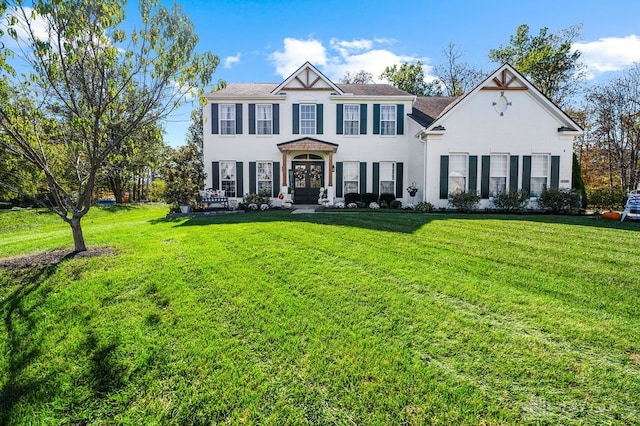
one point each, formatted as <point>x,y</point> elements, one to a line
<point>51,258</point>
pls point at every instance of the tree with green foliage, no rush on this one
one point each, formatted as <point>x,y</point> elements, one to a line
<point>183,174</point>
<point>67,117</point>
<point>194,132</point>
<point>410,78</point>
<point>547,59</point>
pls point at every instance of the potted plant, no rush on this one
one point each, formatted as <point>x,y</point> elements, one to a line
<point>412,190</point>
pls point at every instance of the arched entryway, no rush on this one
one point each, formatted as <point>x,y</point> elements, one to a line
<point>308,177</point>
<point>311,168</point>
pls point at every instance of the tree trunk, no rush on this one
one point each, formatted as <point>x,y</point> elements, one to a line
<point>116,187</point>
<point>78,238</point>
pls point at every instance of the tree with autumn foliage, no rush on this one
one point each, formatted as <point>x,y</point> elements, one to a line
<point>92,87</point>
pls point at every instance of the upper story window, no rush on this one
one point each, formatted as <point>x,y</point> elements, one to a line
<point>264,119</point>
<point>539,174</point>
<point>387,119</point>
<point>458,171</point>
<point>227,118</point>
<point>352,119</point>
<point>307,119</point>
<point>498,170</point>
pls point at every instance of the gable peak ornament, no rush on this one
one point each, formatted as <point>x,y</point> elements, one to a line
<point>501,104</point>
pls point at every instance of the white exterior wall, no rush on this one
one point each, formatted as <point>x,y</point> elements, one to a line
<point>475,128</point>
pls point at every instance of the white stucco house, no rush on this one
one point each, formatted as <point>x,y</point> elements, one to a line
<point>305,133</point>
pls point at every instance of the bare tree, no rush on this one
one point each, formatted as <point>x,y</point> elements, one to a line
<point>360,77</point>
<point>457,77</point>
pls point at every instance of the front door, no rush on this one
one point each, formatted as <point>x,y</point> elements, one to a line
<point>308,178</point>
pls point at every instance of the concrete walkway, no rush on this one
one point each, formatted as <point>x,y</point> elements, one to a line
<point>303,209</point>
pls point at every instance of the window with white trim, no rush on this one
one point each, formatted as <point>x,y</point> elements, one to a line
<point>307,119</point>
<point>265,176</point>
<point>351,177</point>
<point>264,119</point>
<point>539,174</point>
<point>458,170</point>
<point>498,170</point>
<point>387,119</point>
<point>351,115</point>
<point>387,178</point>
<point>228,177</point>
<point>227,116</point>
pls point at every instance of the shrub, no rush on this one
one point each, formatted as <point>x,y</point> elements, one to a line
<point>352,197</point>
<point>261,198</point>
<point>5,205</point>
<point>374,205</point>
<point>560,201</point>
<point>464,201</point>
<point>395,204</point>
<point>369,197</point>
<point>605,199</point>
<point>157,190</point>
<point>511,201</point>
<point>387,198</point>
<point>425,207</point>
<point>352,206</point>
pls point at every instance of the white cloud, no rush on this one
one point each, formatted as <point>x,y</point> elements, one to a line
<point>609,54</point>
<point>295,53</point>
<point>341,57</point>
<point>229,61</point>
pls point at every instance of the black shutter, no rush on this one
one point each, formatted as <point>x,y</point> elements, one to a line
<point>252,177</point>
<point>276,119</point>
<point>276,178</point>
<point>239,179</point>
<point>252,119</point>
<point>363,119</point>
<point>339,179</point>
<point>238,119</point>
<point>296,119</point>
<point>339,119</point>
<point>513,173</point>
<point>376,178</point>
<point>473,173</point>
<point>444,177</point>
<point>319,119</point>
<point>400,119</point>
<point>215,175</point>
<point>555,171</point>
<point>376,119</point>
<point>363,177</point>
<point>484,180</point>
<point>399,179</point>
<point>526,173</point>
<point>214,119</point>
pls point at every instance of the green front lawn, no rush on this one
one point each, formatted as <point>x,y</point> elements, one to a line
<point>330,318</point>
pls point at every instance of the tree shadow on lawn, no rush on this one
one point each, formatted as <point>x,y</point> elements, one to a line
<point>398,221</point>
<point>26,330</point>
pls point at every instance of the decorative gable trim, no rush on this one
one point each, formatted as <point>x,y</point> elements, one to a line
<point>505,80</point>
<point>307,77</point>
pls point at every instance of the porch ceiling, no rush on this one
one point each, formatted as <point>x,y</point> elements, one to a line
<point>307,144</point>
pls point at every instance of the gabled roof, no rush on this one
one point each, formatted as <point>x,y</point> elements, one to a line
<point>426,109</point>
<point>372,90</point>
<point>307,77</point>
<point>507,78</point>
<point>307,144</point>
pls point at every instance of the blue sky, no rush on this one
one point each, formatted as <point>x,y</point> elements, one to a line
<point>266,40</point>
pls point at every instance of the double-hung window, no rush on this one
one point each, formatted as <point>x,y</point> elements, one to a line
<point>307,119</point>
<point>387,177</point>
<point>351,119</point>
<point>227,119</point>
<point>498,174</point>
<point>458,171</point>
<point>387,119</point>
<point>265,176</point>
<point>264,119</point>
<point>228,177</point>
<point>539,174</point>
<point>351,177</point>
